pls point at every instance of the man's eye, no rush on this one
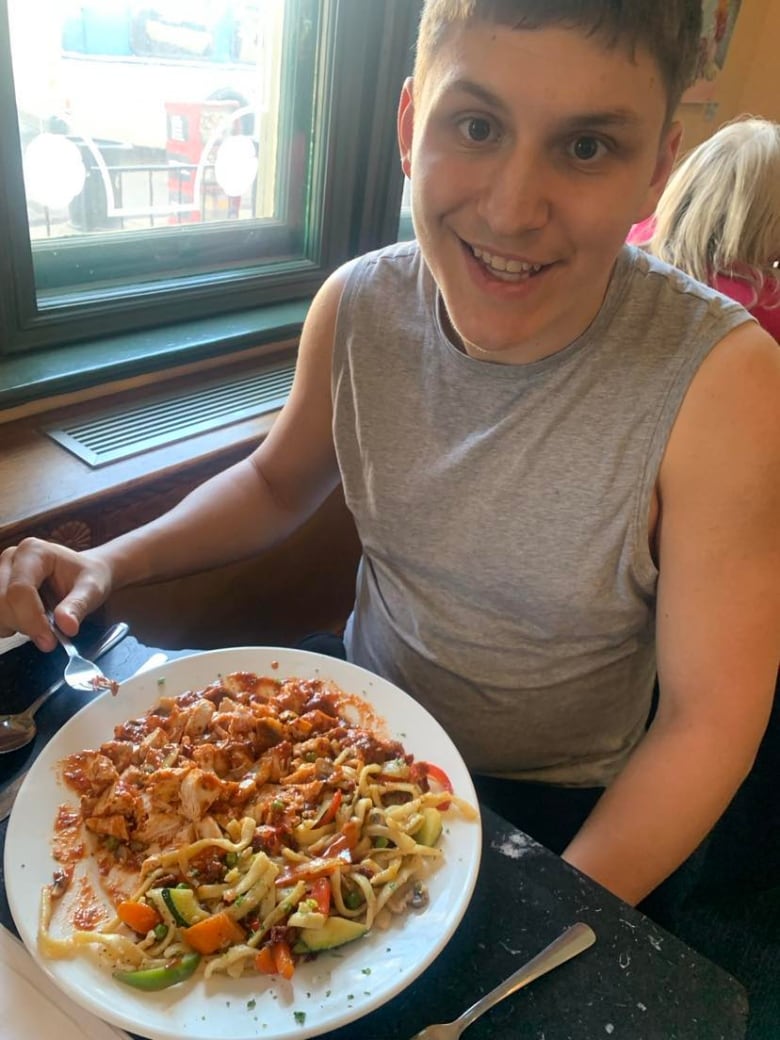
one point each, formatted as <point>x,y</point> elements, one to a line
<point>587,148</point>
<point>476,129</point>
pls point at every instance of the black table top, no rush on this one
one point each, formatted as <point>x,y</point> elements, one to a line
<point>637,982</point>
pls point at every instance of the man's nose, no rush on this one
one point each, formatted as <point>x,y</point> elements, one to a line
<point>516,195</point>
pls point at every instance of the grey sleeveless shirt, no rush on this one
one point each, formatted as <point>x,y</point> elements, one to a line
<point>506,581</point>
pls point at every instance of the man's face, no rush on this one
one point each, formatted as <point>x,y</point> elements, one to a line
<point>530,154</point>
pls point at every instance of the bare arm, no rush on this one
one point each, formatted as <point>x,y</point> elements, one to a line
<point>718,623</point>
<point>250,506</point>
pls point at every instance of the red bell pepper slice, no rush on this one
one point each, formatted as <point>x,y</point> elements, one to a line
<point>321,894</point>
<point>437,774</point>
<point>330,810</point>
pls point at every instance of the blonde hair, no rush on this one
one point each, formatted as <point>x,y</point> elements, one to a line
<point>669,29</point>
<point>720,211</point>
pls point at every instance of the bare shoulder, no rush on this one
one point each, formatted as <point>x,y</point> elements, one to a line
<point>323,313</point>
<point>718,539</point>
<point>315,350</point>
<point>718,488</point>
<point>730,415</point>
<point>743,360</point>
<point>297,458</point>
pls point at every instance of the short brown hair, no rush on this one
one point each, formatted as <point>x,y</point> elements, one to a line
<point>669,29</point>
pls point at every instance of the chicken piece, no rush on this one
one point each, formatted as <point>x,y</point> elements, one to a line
<point>112,826</point>
<point>245,789</point>
<point>155,738</point>
<point>316,747</point>
<point>278,758</point>
<point>119,799</point>
<point>240,758</point>
<point>199,719</point>
<point>293,696</point>
<point>311,792</point>
<point>89,772</point>
<point>373,749</point>
<point>163,786</point>
<point>164,829</point>
<point>120,752</point>
<point>254,686</point>
<point>199,791</point>
<point>236,722</point>
<point>310,723</point>
<point>268,733</point>
<point>175,725</point>
<point>164,756</point>
<point>213,757</point>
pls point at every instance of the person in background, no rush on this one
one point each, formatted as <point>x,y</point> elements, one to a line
<point>719,217</point>
<point>562,454</point>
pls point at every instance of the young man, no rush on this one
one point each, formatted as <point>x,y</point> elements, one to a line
<point>562,456</point>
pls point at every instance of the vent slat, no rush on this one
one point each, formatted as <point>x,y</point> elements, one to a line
<point>171,414</point>
<point>220,398</point>
<point>119,433</point>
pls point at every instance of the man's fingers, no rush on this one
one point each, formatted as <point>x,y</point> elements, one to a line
<point>87,594</point>
<point>23,570</point>
<point>30,615</point>
<point>73,584</point>
<point>70,613</point>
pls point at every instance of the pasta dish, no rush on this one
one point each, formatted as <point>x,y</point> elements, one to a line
<point>239,828</point>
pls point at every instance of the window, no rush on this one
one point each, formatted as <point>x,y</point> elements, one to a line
<point>169,161</point>
<point>405,226</point>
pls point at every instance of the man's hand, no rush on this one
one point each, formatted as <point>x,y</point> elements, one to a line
<point>76,582</point>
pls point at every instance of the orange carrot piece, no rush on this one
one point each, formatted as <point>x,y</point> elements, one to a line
<point>283,959</point>
<point>264,961</point>
<point>139,916</point>
<point>212,933</point>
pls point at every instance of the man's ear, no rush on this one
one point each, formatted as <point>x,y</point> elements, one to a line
<point>406,125</point>
<point>665,160</point>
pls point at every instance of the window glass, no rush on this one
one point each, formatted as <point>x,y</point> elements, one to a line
<point>135,116</point>
<point>141,120</point>
<point>405,226</point>
<point>170,162</point>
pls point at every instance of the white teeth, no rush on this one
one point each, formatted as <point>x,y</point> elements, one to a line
<point>501,264</point>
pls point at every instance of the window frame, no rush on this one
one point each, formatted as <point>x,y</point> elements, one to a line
<point>355,159</point>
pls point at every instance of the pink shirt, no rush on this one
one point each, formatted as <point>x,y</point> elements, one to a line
<point>765,309</point>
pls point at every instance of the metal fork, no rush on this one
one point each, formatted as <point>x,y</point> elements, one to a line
<point>573,941</point>
<point>80,674</point>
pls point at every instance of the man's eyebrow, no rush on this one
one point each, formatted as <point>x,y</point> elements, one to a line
<point>477,91</point>
<point>617,118</point>
<point>613,117</point>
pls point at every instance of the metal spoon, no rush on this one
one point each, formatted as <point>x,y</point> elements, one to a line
<point>573,941</point>
<point>19,729</point>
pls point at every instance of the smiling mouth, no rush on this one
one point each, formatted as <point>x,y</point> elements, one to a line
<point>506,269</point>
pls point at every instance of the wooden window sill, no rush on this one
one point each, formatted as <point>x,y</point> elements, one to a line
<point>42,481</point>
<point>303,585</point>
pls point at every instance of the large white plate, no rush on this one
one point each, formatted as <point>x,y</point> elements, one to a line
<point>332,990</point>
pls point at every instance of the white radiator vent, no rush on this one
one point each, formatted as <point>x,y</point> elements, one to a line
<point>120,432</point>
